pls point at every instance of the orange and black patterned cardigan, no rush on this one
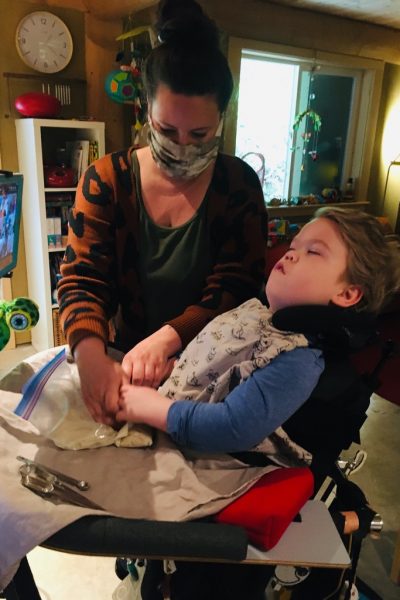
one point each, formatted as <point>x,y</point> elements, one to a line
<point>99,271</point>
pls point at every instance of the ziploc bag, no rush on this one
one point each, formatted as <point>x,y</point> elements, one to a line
<point>52,401</point>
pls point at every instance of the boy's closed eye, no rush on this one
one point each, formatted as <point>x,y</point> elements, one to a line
<point>166,131</point>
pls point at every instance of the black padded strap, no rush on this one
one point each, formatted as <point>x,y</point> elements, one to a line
<point>330,326</point>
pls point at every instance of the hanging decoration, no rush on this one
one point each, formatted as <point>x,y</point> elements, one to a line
<point>137,31</point>
<point>312,126</point>
<point>124,85</point>
<point>311,114</point>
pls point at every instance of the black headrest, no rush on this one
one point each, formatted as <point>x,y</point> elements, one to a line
<point>330,327</point>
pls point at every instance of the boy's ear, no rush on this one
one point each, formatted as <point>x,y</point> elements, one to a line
<point>350,296</point>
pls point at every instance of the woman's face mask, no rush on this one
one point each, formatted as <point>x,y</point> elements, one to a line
<point>182,161</point>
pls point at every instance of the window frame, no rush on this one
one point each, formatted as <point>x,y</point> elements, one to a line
<point>363,119</point>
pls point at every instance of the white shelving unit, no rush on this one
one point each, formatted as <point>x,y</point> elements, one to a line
<point>37,141</point>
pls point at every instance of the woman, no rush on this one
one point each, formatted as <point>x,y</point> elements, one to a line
<point>164,238</point>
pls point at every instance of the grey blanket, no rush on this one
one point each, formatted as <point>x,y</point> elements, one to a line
<point>151,483</point>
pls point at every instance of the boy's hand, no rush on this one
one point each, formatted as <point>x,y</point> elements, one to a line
<point>143,405</point>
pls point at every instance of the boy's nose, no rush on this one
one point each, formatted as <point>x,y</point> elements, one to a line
<point>292,256</point>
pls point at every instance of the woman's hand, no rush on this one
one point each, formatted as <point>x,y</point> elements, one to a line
<point>151,361</point>
<point>101,379</point>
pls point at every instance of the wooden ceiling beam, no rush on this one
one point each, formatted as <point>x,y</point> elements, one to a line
<point>101,9</point>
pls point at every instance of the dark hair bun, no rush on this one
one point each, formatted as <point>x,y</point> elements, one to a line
<point>183,22</point>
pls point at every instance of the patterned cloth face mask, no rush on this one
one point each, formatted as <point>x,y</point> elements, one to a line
<point>182,161</point>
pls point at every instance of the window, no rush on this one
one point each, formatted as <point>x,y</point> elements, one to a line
<point>264,119</point>
<point>277,85</point>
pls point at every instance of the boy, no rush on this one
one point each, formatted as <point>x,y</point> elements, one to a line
<point>341,257</point>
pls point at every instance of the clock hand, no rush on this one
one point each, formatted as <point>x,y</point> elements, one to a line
<point>49,46</point>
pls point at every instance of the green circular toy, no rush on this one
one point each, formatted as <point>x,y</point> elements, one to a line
<point>19,314</point>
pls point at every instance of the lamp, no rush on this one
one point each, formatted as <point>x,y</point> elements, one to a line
<point>392,163</point>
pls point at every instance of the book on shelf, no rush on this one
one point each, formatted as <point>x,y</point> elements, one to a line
<point>55,260</point>
<point>51,238</point>
<point>58,207</point>
<point>58,199</point>
<point>79,156</point>
<point>76,161</point>
<point>57,231</point>
<point>93,151</point>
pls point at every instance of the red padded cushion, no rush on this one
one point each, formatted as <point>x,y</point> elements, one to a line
<point>267,509</point>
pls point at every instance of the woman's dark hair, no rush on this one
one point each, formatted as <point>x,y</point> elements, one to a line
<point>189,59</point>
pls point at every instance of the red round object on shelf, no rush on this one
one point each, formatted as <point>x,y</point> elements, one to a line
<point>36,104</point>
<point>59,176</point>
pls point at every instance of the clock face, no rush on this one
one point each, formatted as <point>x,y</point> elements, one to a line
<point>44,42</point>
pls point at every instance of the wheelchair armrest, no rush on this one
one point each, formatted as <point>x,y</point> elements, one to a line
<point>113,536</point>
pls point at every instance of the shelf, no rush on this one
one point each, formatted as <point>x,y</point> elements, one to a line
<point>62,249</point>
<point>37,139</point>
<point>59,189</point>
<point>308,209</point>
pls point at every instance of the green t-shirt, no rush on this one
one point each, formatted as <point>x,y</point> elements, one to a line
<point>173,262</point>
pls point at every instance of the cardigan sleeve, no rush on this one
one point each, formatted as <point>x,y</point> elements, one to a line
<point>238,230</point>
<point>86,289</point>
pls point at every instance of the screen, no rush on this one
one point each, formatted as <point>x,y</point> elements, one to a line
<point>10,214</point>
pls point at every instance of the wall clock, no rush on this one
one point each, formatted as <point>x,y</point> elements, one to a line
<point>44,42</point>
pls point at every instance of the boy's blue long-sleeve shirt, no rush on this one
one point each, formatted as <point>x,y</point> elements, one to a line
<point>253,410</point>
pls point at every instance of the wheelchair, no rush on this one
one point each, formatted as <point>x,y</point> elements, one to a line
<point>326,424</point>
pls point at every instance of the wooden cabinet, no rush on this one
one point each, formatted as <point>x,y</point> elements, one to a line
<point>41,143</point>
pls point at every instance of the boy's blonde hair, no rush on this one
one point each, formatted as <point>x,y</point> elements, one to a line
<point>374,258</point>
